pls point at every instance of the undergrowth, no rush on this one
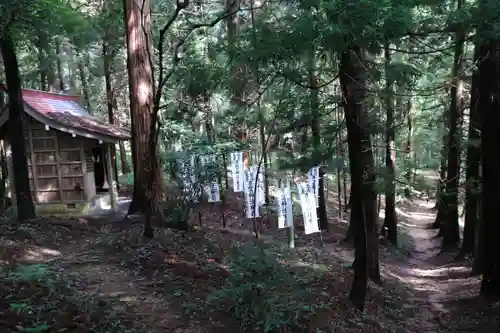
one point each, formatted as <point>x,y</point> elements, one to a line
<point>35,298</point>
<point>263,292</point>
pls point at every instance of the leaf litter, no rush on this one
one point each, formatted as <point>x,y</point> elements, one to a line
<point>99,275</point>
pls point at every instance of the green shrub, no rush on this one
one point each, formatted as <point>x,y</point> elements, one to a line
<point>262,292</point>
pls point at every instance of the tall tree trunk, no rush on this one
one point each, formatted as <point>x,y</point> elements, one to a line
<point>85,84</point>
<point>107,60</point>
<point>262,135</point>
<point>232,32</point>
<point>3,157</point>
<point>60,74</point>
<point>141,104</point>
<point>409,147</point>
<point>472,171</point>
<point>51,71</point>
<point>41,42</point>
<point>5,175</point>
<point>123,158</point>
<point>449,208</point>
<point>72,69</point>
<point>24,199</point>
<point>441,186</point>
<point>238,70</point>
<point>340,168</point>
<point>390,219</point>
<point>363,194</point>
<point>316,136</point>
<point>489,104</point>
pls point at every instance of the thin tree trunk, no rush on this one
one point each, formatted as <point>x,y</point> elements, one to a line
<point>449,223</point>
<point>409,147</point>
<point>123,158</point>
<point>107,59</point>
<point>340,170</point>
<point>441,186</point>
<point>85,85</point>
<point>60,74</point>
<point>390,219</point>
<point>316,136</point>
<point>40,43</point>
<point>262,135</point>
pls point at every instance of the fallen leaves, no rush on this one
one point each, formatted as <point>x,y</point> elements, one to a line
<point>107,269</point>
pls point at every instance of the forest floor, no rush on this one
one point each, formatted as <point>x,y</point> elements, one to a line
<point>100,275</point>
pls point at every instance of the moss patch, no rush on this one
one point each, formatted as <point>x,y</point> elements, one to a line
<point>77,209</point>
<point>63,209</point>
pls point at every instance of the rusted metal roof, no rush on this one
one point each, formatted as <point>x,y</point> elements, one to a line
<point>65,111</point>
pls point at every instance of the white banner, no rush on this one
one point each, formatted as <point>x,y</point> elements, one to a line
<point>261,191</point>
<point>313,182</point>
<point>212,191</point>
<point>206,160</point>
<point>238,171</point>
<point>187,168</point>
<point>251,201</point>
<point>261,196</point>
<point>208,165</point>
<point>285,213</point>
<point>211,187</point>
<point>308,205</point>
<point>178,146</point>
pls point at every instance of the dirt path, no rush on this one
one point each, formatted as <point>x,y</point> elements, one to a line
<point>444,294</point>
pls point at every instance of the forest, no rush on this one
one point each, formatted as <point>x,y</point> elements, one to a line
<point>257,166</point>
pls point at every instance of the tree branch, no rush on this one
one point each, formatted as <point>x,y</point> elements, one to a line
<point>308,86</point>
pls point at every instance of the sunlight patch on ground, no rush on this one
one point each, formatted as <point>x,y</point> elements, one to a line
<point>40,254</point>
<point>425,279</point>
<point>408,225</point>
<point>302,264</point>
<point>415,216</point>
<point>436,272</point>
<point>416,283</point>
<point>426,204</point>
<point>26,253</point>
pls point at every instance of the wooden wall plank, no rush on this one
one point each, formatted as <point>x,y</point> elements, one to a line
<point>33,161</point>
<point>58,168</point>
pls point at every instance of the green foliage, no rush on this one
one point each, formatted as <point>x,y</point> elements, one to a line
<point>262,292</point>
<point>177,212</point>
<point>48,297</point>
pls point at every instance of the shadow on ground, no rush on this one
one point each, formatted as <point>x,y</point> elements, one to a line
<point>162,285</point>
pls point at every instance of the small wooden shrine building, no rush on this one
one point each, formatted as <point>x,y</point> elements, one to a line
<point>67,151</point>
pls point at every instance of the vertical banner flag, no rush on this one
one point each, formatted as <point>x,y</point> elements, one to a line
<point>308,205</point>
<point>237,169</point>
<point>313,182</point>
<point>261,186</point>
<point>252,205</point>
<point>177,146</point>
<point>211,187</point>
<point>213,190</point>
<point>285,213</point>
<point>259,180</point>
<point>192,170</point>
<point>188,177</point>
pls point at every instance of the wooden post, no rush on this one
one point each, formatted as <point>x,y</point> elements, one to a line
<point>111,179</point>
